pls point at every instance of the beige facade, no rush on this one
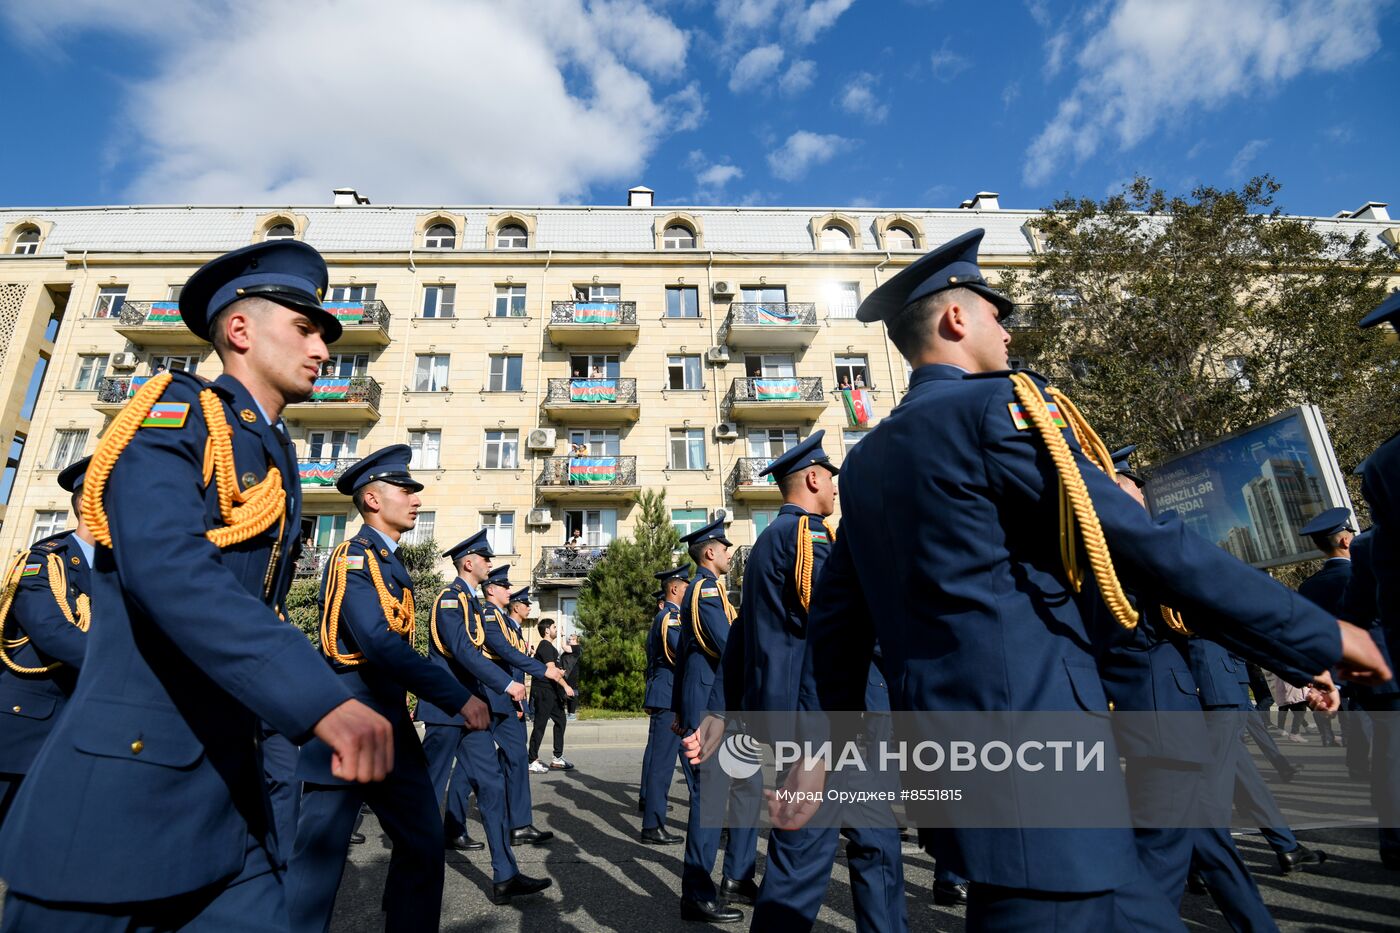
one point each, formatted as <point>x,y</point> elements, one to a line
<point>772,293</point>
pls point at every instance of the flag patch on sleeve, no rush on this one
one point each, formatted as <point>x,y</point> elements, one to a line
<point>1018,416</point>
<point>31,570</point>
<point>354,562</point>
<point>709,591</point>
<point>167,415</point>
<point>819,537</point>
<point>449,604</point>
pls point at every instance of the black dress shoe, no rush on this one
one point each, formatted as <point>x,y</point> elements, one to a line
<point>1196,884</point>
<point>658,836</point>
<point>947,894</point>
<point>531,835</point>
<point>709,912</point>
<point>1391,860</point>
<point>357,839</point>
<point>464,844</point>
<point>745,891</point>
<point>518,886</point>
<point>1299,857</point>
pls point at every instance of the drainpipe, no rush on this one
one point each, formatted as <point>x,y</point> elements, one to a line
<point>889,358</point>
<point>710,290</point>
<point>539,375</point>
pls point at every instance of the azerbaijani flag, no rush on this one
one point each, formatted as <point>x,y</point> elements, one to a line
<point>592,470</point>
<point>330,390</point>
<point>857,406</point>
<point>593,390</point>
<point>1022,423</point>
<point>136,383</point>
<point>595,312</point>
<point>776,390</point>
<point>346,312</point>
<point>317,473</point>
<point>163,312</point>
<point>31,570</point>
<point>767,315</point>
<point>167,415</point>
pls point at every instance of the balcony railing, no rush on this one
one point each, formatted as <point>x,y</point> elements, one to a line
<point>776,389</point>
<point>342,389</point>
<point>773,313</point>
<point>323,471</point>
<point>592,391</point>
<point>593,312</point>
<point>152,313</point>
<point>568,563</point>
<point>312,561</point>
<point>370,313</point>
<point>115,390</point>
<point>588,471</point>
<point>746,473</point>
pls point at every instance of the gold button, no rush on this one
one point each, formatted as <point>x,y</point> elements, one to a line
<point>1110,706</point>
<point>137,746</point>
<point>18,709</point>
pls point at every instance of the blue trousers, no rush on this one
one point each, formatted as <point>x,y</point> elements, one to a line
<point>1385,769</point>
<point>509,733</point>
<point>283,789</point>
<point>479,771</point>
<point>1233,778</point>
<point>702,842</point>
<point>442,746</point>
<point>1231,886</point>
<point>1138,905</point>
<point>658,768</point>
<point>799,867</point>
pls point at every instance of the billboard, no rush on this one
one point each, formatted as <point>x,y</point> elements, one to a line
<point>1252,490</point>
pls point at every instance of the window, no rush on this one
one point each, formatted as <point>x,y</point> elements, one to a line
<point>172,293</point>
<point>323,531</point>
<point>185,363</point>
<point>430,372</point>
<point>851,438</point>
<point>842,299</point>
<point>331,445</point>
<point>594,365</point>
<point>897,237</point>
<point>440,236</point>
<point>1068,300</point>
<point>852,372</point>
<point>770,442</point>
<point>597,527</point>
<point>425,446</point>
<point>1237,371</point>
<point>510,301</point>
<point>687,449</point>
<point>597,293</point>
<point>345,366</point>
<point>600,442</point>
<point>350,293</point>
<point>762,518</point>
<point>48,523</point>
<point>512,236</point>
<point>682,301</point>
<point>27,243</point>
<point>67,447</point>
<point>769,366</point>
<point>91,368</point>
<point>763,294</point>
<point>834,237</point>
<point>439,301</point>
<point>505,372</point>
<point>687,520</point>
<point>678,236</point>
<point>501,450</point>
<point>422,530</point>
<point>280,231</point>
<point>684,372</point>
<point>500,531</point>
<point>109,301</point>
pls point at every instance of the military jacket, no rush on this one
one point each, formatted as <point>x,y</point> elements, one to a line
<point>455,644</point>
<point>504,646</point>
<point>705,620</point>
<point>663,651</point>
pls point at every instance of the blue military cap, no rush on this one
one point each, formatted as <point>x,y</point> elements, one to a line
<point>952,265</point>
<point>478,543</point>
<point>805,454</point>
<point>500,576</point>
<point>714,531</point>
<point>389,465</point>
<point>1388,310</point>
<point>658,596</point>
<point>683,572</point>
<point>1328,523</point>
<point>521,595</point>
<point>71,479</point>
<point>1124,466</point>
<point>285,271</point>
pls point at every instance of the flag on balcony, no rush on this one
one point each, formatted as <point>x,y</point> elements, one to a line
<point>347,312</point>
<point>164,312</point>
<point>593,390</point>
<point>586,470</point>
<point>774,315</point>
<point>595,312</point>
<point>330,390</point>
<point>317,473</point>
<point>777,390</point>
<point>136,383</point>
<point>857,406</point>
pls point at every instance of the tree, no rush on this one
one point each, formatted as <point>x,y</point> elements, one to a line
<point>615,608</point>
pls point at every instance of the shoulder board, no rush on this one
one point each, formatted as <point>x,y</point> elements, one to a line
<point>51,543</point>
<point>198,382</point>
<point>1006,373</point>
<point>362,542</point>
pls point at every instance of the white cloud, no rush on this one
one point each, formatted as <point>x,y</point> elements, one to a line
<point>811,21</point>
<point>798,77</point>
<point>755,68</point>
<point>796,21</point>
<point>1009,94</point>
<point>711,178</point>
<point>717,176</point>
<point>858,97</point>
<point>421,100</point>
<point>1153,62</point>
<point>803,150</point>
<point>1247,154</point>
<point>948,64</point>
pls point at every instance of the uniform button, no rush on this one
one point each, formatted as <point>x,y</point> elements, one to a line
<point>18,709</point>
<point>137,746</point>
<point>1110,706</point>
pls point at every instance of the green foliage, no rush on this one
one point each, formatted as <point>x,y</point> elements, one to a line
<point>615,608</point>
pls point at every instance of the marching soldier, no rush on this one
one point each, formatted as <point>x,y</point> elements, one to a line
<point>663,743</point>
<point>1332,534</point>
<point>147,806</point>
<point>367,624</point>
<point>44,618</point>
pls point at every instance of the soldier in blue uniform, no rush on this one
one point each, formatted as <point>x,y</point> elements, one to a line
<point>457,644</point>
<point>147,805</point>
<point>705,618</point>
<point>367,625</point>
<point>44,617</point>
<point>984,610</point>
<point>663,743</point>
<point>1332,534</point>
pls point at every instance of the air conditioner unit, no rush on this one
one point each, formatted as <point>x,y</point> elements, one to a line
<point>540,517</point>
<point>726,431</point>
<point>123,360</point>
<point>717,355</point>
<point>723,290</point>
<point>540,439</point>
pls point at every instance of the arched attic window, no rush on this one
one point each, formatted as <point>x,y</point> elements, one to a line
<point>835,237</point>
<point>899,237</point>
<point>512,236</point>
<point>280,230</point>
<point>678,236</point>
<point>440,236</point>
<point>27,242</point>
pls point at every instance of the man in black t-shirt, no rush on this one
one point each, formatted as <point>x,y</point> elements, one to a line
<point>548,698</point>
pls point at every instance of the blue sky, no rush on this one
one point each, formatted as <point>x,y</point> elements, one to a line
<point>900,103</point>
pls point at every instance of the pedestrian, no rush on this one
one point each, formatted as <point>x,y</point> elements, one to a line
<point>548,696</point>
<point>572,661</point>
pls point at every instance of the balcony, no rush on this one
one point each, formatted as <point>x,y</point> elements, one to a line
<point>363,323</point>
<point>154,323</point>
<point>592,401</point>
<point>312,561</point>
<point>113,392</point>
<point>318,476</point>
<point>339,400</point>
<point>566,566</point>
<point>746,485</point>
<point>565,479</point>
<point>775,399</point>
<point>766,325</point>
<point>593,324</point>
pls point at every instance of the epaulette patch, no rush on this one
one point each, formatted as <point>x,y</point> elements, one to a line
<point>709,591</point>
<point>167,415</point>
<point>1018,416</point>
<point>31,570</point>
<point>819,536</point>
<point>354,562</point>
<point>448,604</point>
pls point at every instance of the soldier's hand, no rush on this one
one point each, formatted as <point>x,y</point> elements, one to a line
<point>477,714</point>
<point>701,744</point>
<point>1362,662</point>
<point>516,691</point>
<point>568,691</point>
<point>361,741</point>
<point>1322,695</point>
<point>802,793</point>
